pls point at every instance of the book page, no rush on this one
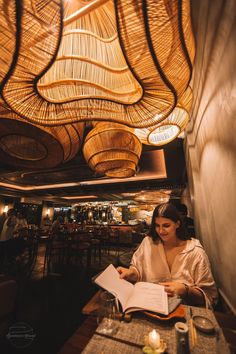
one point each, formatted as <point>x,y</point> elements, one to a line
<point>110,281</point>
<point>148,296</point>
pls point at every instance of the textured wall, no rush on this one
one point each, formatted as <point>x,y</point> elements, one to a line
<point>210,143</point>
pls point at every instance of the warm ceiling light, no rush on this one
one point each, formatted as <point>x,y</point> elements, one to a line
<point>48,212</point>
<point>5,210</point>
<point>128,194</point>
<point>112,150</point>
<point>81,197</point>
<point>26,145</point>
<point>170,127</point>
<point>120,61</point>
<point>9,10</point>
<point>155,197</point>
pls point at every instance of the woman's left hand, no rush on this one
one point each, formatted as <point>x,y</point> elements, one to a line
<point>174,288</point>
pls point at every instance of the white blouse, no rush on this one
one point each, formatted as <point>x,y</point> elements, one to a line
<point>191,266</point>
<point>8,228</point>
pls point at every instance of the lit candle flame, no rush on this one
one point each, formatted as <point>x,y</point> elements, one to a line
<point>154,339</point>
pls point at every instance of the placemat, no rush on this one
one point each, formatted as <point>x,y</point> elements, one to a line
<point>129,338</point>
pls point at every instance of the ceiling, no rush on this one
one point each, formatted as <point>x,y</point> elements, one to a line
<point>159,169</point>
<point>74,181</point>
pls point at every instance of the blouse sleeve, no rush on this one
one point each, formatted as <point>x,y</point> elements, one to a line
<point>137,260</point>
<point>203,278</point>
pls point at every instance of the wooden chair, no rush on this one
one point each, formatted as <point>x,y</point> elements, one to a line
<point>103,236</point>
<point>95,244</point>
<point>78,247</point>
<point>114,240</point>
<point>28,257</point>
<point>55,253</point>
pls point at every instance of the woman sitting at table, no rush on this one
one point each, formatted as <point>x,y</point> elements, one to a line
<point>168,256</point>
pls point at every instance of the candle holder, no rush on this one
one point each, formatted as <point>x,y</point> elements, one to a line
<point>150,350</point>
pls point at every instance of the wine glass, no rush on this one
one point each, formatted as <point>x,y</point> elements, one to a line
<point>107,314</point>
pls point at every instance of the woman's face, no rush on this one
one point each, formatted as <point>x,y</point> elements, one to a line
<point>166,228</point>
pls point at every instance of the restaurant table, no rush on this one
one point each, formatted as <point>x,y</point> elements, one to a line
<point>129,337</point>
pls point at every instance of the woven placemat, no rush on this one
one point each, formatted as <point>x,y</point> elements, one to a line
<point>129,337</point>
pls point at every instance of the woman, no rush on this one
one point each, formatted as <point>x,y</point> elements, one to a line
<point>171,258</point>
<point>9,226</point>
<point>7,237</point>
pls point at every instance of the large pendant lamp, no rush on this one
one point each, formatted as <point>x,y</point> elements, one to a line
<point>118,61</point>
<point>31,146</point>
<point>8,39</point>
<point>112,149</point>
<point>171,127</point>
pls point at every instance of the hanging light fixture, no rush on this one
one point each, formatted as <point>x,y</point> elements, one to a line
<point>119,61</point>
<point>112,149</point>
<point>26,145</point>
<point>152,197</point>
<point>171,127</point>
<point>9,42</point>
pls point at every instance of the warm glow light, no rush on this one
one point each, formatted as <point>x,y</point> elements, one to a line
<point>154,339</point>
<point>48,212</point>
<point>90,214</point>
<point>5,210</point>
<point>82,197</point>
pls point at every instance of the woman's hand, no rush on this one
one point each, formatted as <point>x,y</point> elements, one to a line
<point>174,288</point>
<point>129,274</point>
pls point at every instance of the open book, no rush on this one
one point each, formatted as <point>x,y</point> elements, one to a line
<point>136,297</point>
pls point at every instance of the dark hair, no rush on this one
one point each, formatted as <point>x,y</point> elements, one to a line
<point>182,209</point>
<point>169,211</point>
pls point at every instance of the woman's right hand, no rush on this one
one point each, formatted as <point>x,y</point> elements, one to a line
<point>129,274</point>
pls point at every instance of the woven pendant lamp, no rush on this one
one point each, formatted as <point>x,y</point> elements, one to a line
<point>118,67</point>
<point>171,127</point>
<point>30,146</point>
<point>169,35</point>
<point>152,197</point>
<point>8,39</point>
<point>90,62</point>
<point>111,149</point>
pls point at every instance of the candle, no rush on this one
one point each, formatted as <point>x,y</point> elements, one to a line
<point>154,339</point>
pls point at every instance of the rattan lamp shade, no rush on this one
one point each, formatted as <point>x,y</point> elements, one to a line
<point>30,146</point>
<point>130,66</point>
<point>112,149</point>
<point>8,39</point>
<point>90,62</point>
<point>171,127</point>
<point>152,197</point>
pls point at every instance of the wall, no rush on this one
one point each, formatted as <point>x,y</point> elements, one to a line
<point>210,143</point>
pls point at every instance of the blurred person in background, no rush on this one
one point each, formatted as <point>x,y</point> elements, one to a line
<point>9,226</point>
<point>188,222</point>
<point>7,235</point>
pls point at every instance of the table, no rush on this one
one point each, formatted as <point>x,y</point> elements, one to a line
<point>130,336</point>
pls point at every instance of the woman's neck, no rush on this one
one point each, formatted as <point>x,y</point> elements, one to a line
<point>173,243</point>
